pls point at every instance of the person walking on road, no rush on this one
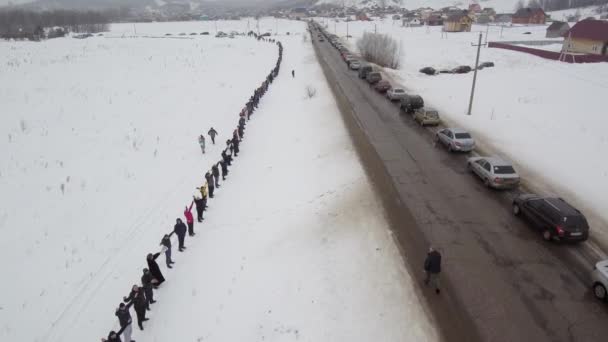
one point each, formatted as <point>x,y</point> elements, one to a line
<point>212,133</point>
<point>124,319</point>
<point>200,207</point>
<point>166,243</point>
<point>216,174</point>
<point>432,267</point>
<point>189,219</point>
<point>147,282</point>
<point>201,141</point>
<point>180,230</point>
<point>210,183</point>
<point>293,74</point>
<point>154,269</point>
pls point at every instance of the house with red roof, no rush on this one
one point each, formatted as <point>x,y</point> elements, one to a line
<point>588,36</point>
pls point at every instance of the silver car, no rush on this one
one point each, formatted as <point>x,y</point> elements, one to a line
<point>395,94</point>
<point>354,65</point>
<point>494,172</point>
<point>456,139</point>
<point>600,279</point>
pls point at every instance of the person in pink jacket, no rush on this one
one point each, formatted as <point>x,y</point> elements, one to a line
<point>189,219</point>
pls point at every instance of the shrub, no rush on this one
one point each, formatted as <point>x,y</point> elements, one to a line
<point>380,49</point>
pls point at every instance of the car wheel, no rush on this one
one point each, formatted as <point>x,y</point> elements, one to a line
<point>547,235</point>
<point>450,149</point>
<point>599,291</point>
<point>486,182</point>
<point>516,210</point>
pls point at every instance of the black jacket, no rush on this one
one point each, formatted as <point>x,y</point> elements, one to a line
<point>216,170</point>
<point>209,179</point>
<point>154,269</point>
<point>212,132</point>
<point>224,166</point>
<point>200,204</point>
<point>180,228</point>
<point>138,298</point>
<point>166,241</point>
<point>146,280</point>
<point>124,317</point>
<point>433,262</point>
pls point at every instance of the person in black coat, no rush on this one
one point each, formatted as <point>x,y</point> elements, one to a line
<point>200,207</point>
<point>432,267</point>
<point>124,319</point>
<point>224,169</point>
<point>180,230</point>
<point>114,336</point>
<point>216,174</point>
<point>154,269</point>
<point>210,183</point>
<point>140,304</point>
<point>147,282</point>
<point>235,143</point>
<point>166,242</point>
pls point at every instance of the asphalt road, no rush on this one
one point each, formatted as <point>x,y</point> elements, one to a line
<point>500,280</point>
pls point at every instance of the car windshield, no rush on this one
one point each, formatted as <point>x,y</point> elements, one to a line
<point>504,170</point>
<point>399,91</point>
<point>432,114</point>
<point>463,136</point>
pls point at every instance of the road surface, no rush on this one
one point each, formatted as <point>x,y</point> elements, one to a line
<point>500,280</point>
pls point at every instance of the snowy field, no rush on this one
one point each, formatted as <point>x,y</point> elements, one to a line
<point>547,117</point>
<point>100,157</point>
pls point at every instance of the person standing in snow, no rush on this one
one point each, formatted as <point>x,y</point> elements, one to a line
<point>154,269</point>
<point>224,157</point>
<point>235,143</point>
<point>166,243</point>
<point>210,184</point>
<point>216,174</point>
<point>189,219</point>
<point>432,267</point>
<point>241,128</point>
<point>115,336</point>
<point>124,319</point>
<point>200,207</point>
<point>224,168</point>
<point>140,304</point>
<point>201,141</point>
<point>293,74</point>
<point>180,230</point>
<point>212,133</point>
<point>147,282</point>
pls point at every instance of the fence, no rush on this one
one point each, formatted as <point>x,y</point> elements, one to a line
<point>553,55</point>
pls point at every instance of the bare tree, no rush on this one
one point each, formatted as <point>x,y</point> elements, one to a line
<point>379,48</point>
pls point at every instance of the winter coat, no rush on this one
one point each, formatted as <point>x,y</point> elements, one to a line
<point>114,337</point>
<point>124,316</point>
<point>242,122</point>
<point>209,179</point>
<point>188,214</point>
<point>146,280</point>
<point>138,298</point>
<point>200,204</point>
<point>224,166</point>
<point>432,263</point>
<point>201,141</point>
<point>216,171</point>
<point>212,133</point>
<point>166,241</point>
<point>154,269</point>
<point>180,228</point>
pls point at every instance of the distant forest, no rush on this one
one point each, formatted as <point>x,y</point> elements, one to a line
<point>18,20</point>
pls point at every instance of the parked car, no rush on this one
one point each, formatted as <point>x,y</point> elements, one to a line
<point>428,71</point>
<point>463,69</point>
<point>395,94</point>
<point>373,77</point>
<point>427,117</point>
<point>350,59</point>
<point>382,86</point>
<point>485,65</point>
<point>364,70</point>
<point>554,217</point>
<point>205,33</point>
<point>456,139</point>
<point>600,280</point>
<point>494,172</point>
<point>354,65</point>
<point>410,103</point>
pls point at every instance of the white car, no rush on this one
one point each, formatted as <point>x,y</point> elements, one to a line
<point>456,139</point>
<point>354,65</point>
<point>494,172</point>
<point>600,279</point>
<point>395,94</point>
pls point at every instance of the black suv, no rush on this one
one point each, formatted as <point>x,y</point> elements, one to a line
<point>554,217</point>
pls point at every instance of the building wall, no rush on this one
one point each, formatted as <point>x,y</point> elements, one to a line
<point>594,47</point>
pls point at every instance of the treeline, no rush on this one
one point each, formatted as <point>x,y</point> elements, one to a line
<point>25,22</point>
<point>556,5</point>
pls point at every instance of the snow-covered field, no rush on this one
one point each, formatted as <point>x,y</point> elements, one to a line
<point>100,157</point>
<point>546,116</point>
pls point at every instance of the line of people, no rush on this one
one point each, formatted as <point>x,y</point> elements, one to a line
<point>142,296</point>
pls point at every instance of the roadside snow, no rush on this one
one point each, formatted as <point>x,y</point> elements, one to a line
<point>546,116</point>
<point>101,157</point>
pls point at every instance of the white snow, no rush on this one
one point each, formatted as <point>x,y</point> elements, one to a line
<point>546,116</point>
<point>100,157</point>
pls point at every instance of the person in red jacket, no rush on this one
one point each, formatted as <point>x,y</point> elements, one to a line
<point>189,219</point>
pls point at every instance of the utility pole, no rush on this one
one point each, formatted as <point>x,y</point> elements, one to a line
<point>487,31</point>
<point>347,29</point>
<point>475,73</point>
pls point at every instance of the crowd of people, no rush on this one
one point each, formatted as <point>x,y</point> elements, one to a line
<point>141,297</point>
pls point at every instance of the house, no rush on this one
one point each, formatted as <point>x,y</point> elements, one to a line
<point>298,13</point>
<point>483,18</point>
<point>414,22</point>
<point>362,16</point>
<point>529,16</point>
<point>458,23</point>
<point>557,29</point>
<point>503,18</point>
<point>474,8</point>
<point>434,20</point>
<point>588,36</point>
